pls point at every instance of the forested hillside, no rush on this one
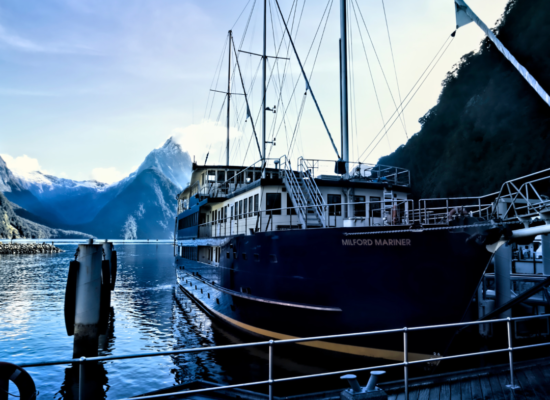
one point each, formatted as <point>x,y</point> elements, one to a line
<point>489,125</point>
<point>14,227</point>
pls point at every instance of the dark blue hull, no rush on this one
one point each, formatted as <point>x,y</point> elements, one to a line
<point>322,282</point>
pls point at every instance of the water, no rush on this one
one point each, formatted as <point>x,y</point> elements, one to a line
<point>147,317</point>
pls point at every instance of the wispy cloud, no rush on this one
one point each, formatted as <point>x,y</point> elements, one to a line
<point>17,42</point>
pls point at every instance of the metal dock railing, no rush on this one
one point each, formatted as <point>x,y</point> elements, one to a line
<point>270,381</point>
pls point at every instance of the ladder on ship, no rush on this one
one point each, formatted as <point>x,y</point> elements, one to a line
<point>388,205</point>
<point>304,193</point>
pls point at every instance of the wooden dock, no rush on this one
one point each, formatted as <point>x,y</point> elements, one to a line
<point>532,379</point>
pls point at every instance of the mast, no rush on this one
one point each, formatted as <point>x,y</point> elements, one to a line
<point>264,63</point>
<point>344,81</point>
<point>228,100</point>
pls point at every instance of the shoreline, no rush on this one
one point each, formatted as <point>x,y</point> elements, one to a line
<point>28,248</point>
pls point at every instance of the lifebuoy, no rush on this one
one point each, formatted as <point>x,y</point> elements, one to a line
<point>21,379</point>
<point>105,299</point>
<point>70,297</point>
<point>113,269</point>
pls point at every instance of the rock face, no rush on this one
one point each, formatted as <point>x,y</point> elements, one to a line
<point>28,248</point>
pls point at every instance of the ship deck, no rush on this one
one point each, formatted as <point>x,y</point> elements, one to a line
<point>531,377</point>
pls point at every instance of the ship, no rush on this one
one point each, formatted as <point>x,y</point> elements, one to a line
<point>291,249</point>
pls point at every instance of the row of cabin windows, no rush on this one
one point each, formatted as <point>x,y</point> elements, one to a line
<point>360,210</point>
<point>242,208</point>
<point>217,176</point>
<point>213,176</point>
<point>190,220</point>
<point>191,253</point>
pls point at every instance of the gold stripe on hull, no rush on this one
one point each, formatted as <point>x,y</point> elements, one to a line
<point>341,348</point>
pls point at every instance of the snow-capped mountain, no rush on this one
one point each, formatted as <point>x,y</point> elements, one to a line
<point>172,161</point>
<point>67,203</point>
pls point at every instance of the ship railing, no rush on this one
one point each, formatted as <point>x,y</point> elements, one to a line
<point>271,381</point>
<point>355,214</point>
<point>523,198</point>
<point>441,211</point>
<point>375,173</point>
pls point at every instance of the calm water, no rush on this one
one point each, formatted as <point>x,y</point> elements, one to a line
<point>147,317</point>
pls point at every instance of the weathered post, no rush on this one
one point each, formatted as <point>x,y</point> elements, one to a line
<point>87,302</point>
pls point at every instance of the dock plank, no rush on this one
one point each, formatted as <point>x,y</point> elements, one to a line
<point>445,391</point>
<point>542,380</point>
<point>517,394</point>
<point>526,389</point>
<point>434,393</point>
<point>424,394</point>
<point>413,394</point>
<point>476,389</point>
<point>496,387</point>
<point>486,389</point>
<point>455,390</point>
<point>466,390</point>
<point>532,377</point>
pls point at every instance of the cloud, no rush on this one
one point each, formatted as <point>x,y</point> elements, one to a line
<point>107,175</point>
<point>206,137</point>
<point>23,164</point>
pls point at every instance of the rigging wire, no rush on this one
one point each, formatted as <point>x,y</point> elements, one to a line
<point>394,67</point>
<point>305,61</point>
<point>371,77</point>
<point>218,69</point>
<point>448,44</point>
<point>377,58</point>
<point>271,72</point>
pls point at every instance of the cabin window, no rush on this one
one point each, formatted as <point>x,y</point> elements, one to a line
<point>336,207</point>
<point>256,203</point>
<point>258,175</point>
<point>290,210</point>
<point>232,211</point>
<point>211,176</point>
<point>359,206</point>
<point>375,206</point>
<point>240,209</point>
<point>221,176</point>
<point>250,205</point>
<point>230,176</point>
<point>245,207</point>
<point>249,176</point>
<point>240,177</point>
<point>273,202</point>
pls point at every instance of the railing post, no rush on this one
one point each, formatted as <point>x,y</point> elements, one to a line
<point>81,379</point>
<point>270,378</point>
<point>406,360</point>
<point>510,355</point>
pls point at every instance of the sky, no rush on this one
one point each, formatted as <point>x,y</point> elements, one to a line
<point>89,87</point>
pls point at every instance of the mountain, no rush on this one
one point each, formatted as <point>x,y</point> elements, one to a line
<point>171,161</point>
<point>144,209</point>
<point>489,125</point>
<point>94,207</point>
<point>14,227</point>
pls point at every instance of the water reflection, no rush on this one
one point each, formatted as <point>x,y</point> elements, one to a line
<point>148,314</point>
